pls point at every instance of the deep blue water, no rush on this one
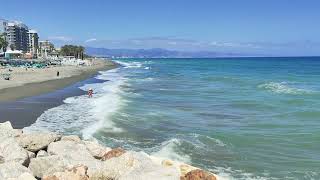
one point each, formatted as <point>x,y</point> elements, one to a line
<point>242,118</point>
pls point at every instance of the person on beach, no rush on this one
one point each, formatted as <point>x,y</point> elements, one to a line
<point>90,92</point>
<point>58,73</point>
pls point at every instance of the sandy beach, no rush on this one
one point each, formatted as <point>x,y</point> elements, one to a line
<point>35,81</point>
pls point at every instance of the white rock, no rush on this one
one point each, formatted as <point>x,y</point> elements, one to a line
<point>71,138</point>
<point>37,141</point>
<point>134,165</point>
<point>6,130</point>
<point>75,153</point>
<point>12,152</point>
<point>12,170</point>
<point>47,165</point>
<point>74,173</point>
<point>31,154</point>
<point>42,153</point>
<point>24,176</point>
<point>96,149</point>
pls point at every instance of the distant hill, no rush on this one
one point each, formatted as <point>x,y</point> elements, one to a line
<point>154,53</point>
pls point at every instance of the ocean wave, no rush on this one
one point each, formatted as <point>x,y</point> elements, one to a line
<point>170,149</point>
<point>232,174</point>
<point>132,64</point>
<point>85,116</point>
<point>200,138</point>
<point>283,88</point>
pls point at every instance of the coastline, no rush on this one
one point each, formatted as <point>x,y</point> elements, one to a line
<point>45,85</point>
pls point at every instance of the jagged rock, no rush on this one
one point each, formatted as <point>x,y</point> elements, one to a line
<point>96,149</point>
<point>74,153</point>
<point>12,152</point>
<point>185,168</point>
<point>24,176</point>
<point>198,174</point>
<point>113,153</point>
<point>167,162</point>
<point>37,141</point>
<point>134,165</point>
<point>75,173</point>
<point>31,154</point>
<point>42,153</point>
<point>47,165</point>
<point>6,130</point>
<point>71,138</point>
<point>12,170</point>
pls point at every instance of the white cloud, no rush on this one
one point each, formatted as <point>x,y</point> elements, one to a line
<point>172,43</point>
<point>90,40</point>
<point>60,38</point>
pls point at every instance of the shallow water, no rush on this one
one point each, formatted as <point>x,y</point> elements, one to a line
<point>242,118</point>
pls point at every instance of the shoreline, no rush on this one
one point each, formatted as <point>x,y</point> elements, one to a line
<point>24,90</point>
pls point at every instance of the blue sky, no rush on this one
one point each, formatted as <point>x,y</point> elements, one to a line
<point>271,27</point>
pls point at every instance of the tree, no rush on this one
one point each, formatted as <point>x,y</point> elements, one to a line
<point>71,50</point>
<point>3,42</point>
<point>12,47</point>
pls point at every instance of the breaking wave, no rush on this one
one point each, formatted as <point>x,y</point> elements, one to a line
<point>283,88</point>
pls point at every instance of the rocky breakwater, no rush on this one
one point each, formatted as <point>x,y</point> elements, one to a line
<point>49,156</point>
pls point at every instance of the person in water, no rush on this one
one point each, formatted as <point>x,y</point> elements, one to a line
<point>90,92</point>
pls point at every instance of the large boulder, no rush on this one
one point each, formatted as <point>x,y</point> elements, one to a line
<point>71,138</point>
<point>113,153</point>
<point>47,165</point>
<point>10,170</point>
<point>75,153</point>
<point>42,153</point>
<point>96,149</point>
<point>37,141</point>
<point>134,165</point>
<point>6,130</point>
<point>24,176</point>
<point>198,174</point>
<point>74,173</point>
<point>12,152</point>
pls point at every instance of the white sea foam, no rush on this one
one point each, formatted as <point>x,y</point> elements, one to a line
<point>133,64</point>
<point>283,88</point>
<point>169,149</point>
<point>216,141</point>
<point>86,115</point>
<point>232,174</point>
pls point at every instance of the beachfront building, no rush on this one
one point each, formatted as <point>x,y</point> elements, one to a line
<point>33,42</point>
<point>3,25</point>
<point>45,48</point>
<point>17,36</point>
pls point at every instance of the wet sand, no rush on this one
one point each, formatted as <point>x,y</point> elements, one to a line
<point>22,105</point>
<point>24,112</point>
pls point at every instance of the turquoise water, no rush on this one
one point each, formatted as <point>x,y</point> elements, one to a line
<point>242,118</point>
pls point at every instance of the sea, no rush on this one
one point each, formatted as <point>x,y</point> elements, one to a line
<point>241,118</point>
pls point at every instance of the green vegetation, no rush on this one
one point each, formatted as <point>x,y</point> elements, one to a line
<point>3,42</point>
<point>71,50</point>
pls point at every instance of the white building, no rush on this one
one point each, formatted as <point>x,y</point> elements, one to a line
<point>33,41</point>
<point>17,36</point>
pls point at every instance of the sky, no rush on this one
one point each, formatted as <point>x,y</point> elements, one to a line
<point>257,27</point>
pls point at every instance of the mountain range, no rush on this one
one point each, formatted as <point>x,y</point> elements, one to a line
<point>155,53</point>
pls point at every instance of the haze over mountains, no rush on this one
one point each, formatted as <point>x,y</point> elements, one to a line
<point>156,53</point>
